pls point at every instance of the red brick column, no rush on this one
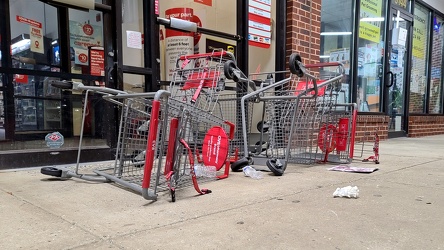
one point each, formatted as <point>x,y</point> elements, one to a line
<point>303,29</point>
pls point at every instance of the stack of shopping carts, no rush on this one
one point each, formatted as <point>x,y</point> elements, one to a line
<point>202,124</point>
<point>167,139</point>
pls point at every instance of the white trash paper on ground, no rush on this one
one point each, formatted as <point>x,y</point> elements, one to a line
<point>348,192</point>
<point>352,169</point>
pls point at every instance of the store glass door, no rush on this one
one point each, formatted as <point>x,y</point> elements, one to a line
<point>397,74</point>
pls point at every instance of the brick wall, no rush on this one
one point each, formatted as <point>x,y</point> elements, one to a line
<point>366,125</point>
<point>425,125</point>
<point>418,126</point>
<point>304,29</point>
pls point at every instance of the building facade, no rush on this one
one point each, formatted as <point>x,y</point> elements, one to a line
<point>392,52</point>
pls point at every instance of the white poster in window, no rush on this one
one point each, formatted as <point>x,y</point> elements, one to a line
<point>133,39</point>
<point>177,43</point>
<point>36,40</point>
<point>82,36</point>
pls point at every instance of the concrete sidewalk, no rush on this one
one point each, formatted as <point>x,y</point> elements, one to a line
<point>400,207</point>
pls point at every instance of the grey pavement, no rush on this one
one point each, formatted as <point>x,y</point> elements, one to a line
<point>400,206</point>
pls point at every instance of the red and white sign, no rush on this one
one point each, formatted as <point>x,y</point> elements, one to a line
<point>97,61</point>
<point>156,7</point>
<point>28,21</point>
<point>215,147</point>
<point>83,58</point>
<point>259,15</point>
<point>206,2</point>
<point>21,78</point>
<point>36,36</point>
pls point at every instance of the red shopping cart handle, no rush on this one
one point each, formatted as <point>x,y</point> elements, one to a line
<point>196,56</point>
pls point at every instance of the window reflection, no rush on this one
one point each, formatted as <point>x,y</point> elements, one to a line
<point>418,82</point>
<point>370,51</point>
<point>435,104</point>
<point>336,37</point>
<point>85,32</point>
<point>33,30</point>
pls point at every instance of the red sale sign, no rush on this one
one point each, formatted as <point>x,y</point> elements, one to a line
<point>206,2</point>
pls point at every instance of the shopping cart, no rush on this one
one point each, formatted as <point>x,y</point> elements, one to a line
<point>182,137</point>
<point>199,79</point>
<point>129,166</point>
<point>301,116</point>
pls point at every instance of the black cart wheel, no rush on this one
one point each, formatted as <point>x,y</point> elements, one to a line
<point>262,146</point>
<point>51,171</point>
<point>239,164</point>
<point>173,195</point>
<point>229,66</point>
<point>294,65</point>
<point>262,126</point>
<point>275,167</point>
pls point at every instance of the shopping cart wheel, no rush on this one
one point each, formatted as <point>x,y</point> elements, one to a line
<point>261,146</point>
<point>239,164</point>
<point>294,65</point>
<point>173,195</point>
<point>275,167</point>
<point>262,126</point>
<point>51,171</point>
<point>229,66</point>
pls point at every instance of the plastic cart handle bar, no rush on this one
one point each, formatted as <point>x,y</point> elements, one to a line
<point>183,25</point>
<point>329,64</point>
<point>79,86</point>
<point>216,54</point>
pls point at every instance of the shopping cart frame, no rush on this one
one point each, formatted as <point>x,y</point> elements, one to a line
<point>112,96</point>
<point>297,68</point>
<point>78,86</point>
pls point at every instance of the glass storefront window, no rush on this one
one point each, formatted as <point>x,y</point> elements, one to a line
<point>370,51</point>
<point>418,79</point>
<point>435,97</point>
<point>37,103</point>
<point>133,83</point>
<point>212,15</point>
<point>336,37</point>
<point>86,41</point>
<point>132,30</point>
<point>404,4</point>
<point>34,31</point>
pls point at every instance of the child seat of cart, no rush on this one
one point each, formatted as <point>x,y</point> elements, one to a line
<point>207,78</point>
<point>303,85</point>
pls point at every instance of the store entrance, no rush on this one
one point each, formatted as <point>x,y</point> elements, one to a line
<point>397,75</point>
